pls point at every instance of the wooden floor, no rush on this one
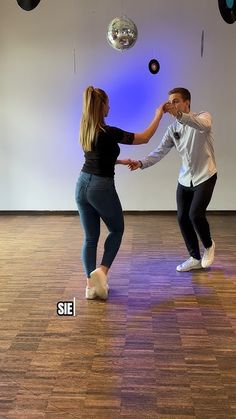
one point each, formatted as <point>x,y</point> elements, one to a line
<point>162,346</point>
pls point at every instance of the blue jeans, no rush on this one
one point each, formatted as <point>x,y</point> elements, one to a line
<point>97,199</point>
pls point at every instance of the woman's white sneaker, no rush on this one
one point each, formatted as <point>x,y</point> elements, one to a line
<point>99,280</point>
<point>189,264</point>
<point>208,256</point>
<point>90,293</point>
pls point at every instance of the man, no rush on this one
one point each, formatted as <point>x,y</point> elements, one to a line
<point>191,135</point>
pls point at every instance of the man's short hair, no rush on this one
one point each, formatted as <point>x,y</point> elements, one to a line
<point>185,93</point>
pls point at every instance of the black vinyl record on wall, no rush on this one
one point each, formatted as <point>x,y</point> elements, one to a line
<point>154,66</point>
<point>28,4</point>
<point>228,10</point>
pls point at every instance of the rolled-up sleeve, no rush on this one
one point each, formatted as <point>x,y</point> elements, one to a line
<point>201,121</point>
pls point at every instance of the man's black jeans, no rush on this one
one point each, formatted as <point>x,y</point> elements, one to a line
<point>192,203</point>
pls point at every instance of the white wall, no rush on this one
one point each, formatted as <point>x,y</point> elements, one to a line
<point>41,95</point>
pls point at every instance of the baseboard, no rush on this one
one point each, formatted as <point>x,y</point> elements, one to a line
<point>132,212</point>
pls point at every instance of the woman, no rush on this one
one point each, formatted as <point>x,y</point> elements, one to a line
<point>96,196</point>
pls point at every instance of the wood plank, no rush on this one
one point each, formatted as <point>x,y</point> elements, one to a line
<point>163,345</point>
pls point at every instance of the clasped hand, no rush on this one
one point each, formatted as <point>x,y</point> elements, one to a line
<point>132,164</point>
<point>170,108</point>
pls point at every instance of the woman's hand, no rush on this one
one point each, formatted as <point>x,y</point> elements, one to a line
<point>126,162</point>
<point>134,165</point>
<point>171,109</point>
<point>161,110</point>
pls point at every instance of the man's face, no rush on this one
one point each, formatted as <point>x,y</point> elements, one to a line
<point>177,100</point>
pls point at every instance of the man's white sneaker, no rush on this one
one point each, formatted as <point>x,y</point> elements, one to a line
<point>90,293</point>
<point>189,264</point>
<point>99,280</point>
<point>208,256</point>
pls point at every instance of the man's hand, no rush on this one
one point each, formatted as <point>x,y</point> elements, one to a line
<point>171,109</point>
<point>134,165</point>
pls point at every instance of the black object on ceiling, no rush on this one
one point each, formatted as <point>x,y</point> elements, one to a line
<point>28,5</point>
<point>228,10</point>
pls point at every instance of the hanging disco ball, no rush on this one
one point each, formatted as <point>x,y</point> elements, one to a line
<point>28,5</point>
<point>122,33</point>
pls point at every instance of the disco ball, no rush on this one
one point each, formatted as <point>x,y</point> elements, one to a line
<point>122,33</point>
<point>28,5</point>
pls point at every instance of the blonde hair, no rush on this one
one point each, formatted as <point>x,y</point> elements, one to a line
<point>92,120</point>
